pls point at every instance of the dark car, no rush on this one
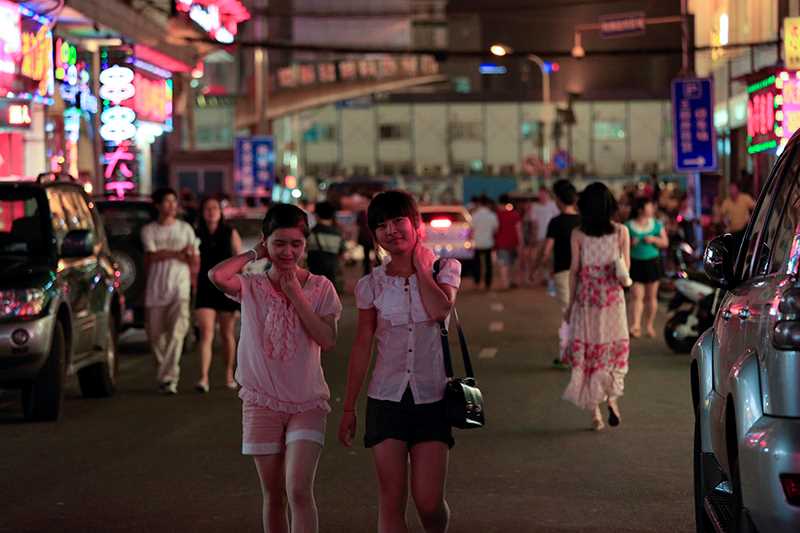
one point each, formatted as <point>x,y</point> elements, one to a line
<point>60,306</point>
<point>123,220</point>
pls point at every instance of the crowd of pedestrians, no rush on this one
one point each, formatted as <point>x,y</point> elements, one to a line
<point>289,315</point>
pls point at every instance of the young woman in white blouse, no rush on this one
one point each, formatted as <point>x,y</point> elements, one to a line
<point>400,304</point>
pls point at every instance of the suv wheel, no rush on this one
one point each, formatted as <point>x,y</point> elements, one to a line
<point>42,399</point>
<point>701,520</point>
<point>99,380</point>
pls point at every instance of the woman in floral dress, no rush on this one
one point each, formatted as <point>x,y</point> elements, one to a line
<point>598,343</point>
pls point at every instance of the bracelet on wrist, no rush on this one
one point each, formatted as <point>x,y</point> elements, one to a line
<point>255,254</point>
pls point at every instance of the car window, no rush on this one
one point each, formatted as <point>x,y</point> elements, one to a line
<point>452,216</point>
<point>22,227</point>
<point>786,248</point>
<point>769,244</point>
<point>757,223</point>
<point>69,212</point>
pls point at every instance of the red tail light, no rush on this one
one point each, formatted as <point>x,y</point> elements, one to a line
<point>441,223</point>
<point>791,488</point>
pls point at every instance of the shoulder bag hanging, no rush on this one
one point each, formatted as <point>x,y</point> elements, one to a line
<point>462,397</point>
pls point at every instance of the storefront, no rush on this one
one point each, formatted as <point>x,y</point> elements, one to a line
<point>26,88</point>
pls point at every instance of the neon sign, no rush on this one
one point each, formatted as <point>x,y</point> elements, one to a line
<point>773,111</point>
<point>37,58</point>
<point>10,37</point>
<point>219,18</point>
<point>118,127</point>
<point>66,62</point>
<point>153,100</point>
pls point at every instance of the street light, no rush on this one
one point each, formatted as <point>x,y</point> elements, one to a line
<point>501,50</point>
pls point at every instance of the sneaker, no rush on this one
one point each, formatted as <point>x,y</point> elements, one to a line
<point>201,387</point>
<point>169,387</point>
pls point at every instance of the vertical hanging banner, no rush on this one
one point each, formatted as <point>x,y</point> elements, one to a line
<point>693,134</point>
<point>118,128</point>
<point>254,165</point>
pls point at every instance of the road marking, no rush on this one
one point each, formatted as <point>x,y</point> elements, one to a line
<point>497,306</point>
<point>487,353</point>
<point>496,326</point>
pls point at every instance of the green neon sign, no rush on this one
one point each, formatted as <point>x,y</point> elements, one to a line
<point>762,147</point>
<point>757,86</point>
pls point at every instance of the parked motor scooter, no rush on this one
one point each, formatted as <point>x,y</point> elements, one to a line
<point>691,311</point>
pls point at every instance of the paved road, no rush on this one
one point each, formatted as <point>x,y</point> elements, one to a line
<point>144,462</point>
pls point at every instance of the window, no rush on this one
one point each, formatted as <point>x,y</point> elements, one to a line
<point>22,230</point>
<point>609,131</point>
<point>786,242</point>
<point>466,130</point>
<point>69,212</point>
<point>758,222</point>
<point>394,131</point>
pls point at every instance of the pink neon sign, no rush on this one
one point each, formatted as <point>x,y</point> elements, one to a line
<point>219,18</point>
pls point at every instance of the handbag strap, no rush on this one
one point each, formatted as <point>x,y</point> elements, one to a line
<point>462,339</point>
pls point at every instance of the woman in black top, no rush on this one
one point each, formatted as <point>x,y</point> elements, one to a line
<point>218,242</point>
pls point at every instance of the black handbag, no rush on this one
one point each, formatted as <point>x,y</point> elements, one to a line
<point>462,397</point>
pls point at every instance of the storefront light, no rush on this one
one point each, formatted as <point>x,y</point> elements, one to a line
<point>784,76</point>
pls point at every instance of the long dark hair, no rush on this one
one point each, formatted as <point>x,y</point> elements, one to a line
<point>202,227</point>
<point>597,207</point>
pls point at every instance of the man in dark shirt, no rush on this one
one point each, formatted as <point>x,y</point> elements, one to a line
<point>558,242</point>
<point>325,243</point>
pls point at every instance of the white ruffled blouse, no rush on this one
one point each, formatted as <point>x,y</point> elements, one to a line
<point>409,341</point>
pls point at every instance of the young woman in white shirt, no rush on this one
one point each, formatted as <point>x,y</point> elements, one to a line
<point>400,304</point>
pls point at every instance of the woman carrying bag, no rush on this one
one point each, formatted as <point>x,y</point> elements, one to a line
<point>597,349</point>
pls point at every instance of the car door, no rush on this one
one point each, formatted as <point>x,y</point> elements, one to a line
<point>730,323</point>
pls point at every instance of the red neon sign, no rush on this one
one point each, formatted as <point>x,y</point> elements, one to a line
<point>19,115</point>
<point>153,99</point>
<point>217,17</point>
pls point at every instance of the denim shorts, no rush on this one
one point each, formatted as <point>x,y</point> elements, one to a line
<point>406,421</point>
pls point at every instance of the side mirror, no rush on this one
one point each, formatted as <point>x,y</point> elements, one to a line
<point>718,260</point>
<point>77,244</point>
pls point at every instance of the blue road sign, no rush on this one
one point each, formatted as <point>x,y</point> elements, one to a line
<point>254,165</point>
<point>693,135</point>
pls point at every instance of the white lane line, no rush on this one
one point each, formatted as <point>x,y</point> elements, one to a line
<point>496,326</point>
<point>487,353</point>
<point>497,307</point>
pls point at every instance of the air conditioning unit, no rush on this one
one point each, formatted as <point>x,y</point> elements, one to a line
<point>488,170</point>
<point>407,169</point>
<point>508,170</point>
<point>459,168</point>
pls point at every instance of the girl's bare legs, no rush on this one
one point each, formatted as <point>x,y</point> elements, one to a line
<point>205,322</point>
<point>391,465</point>
<point>227,324</point>
<point>428,481</point>
<point>637,297</point>
<point>302,458</point>
<point>273,488</point>
<point>650,307</point>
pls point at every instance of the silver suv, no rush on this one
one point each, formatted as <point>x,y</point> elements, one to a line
<point>745,371</point>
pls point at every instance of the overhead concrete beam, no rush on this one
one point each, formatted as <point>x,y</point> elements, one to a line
<point>300,99</point>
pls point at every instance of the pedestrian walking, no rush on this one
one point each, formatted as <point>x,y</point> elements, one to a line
<point>558,242</point>
<point>538,215</point>
<point>288,316</point>
<point>365,240</point>
<point>484,226</point>
<point>598,343</point>
<point>171,252</point>
<point>508,242</point>
<point>218,242</point>
<point>400,304</point>
<point>647,235</point>
<point>325,243</point>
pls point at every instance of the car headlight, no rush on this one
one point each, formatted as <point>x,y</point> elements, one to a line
<point>22,302</point>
